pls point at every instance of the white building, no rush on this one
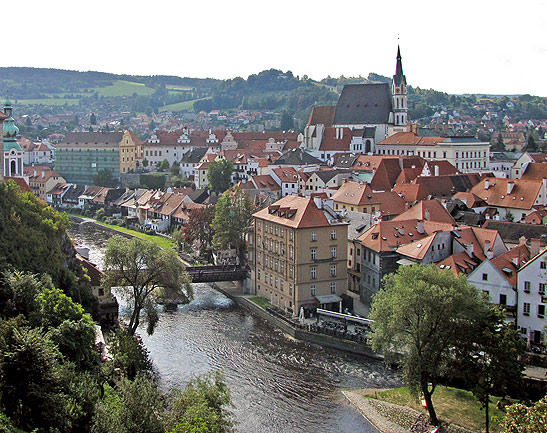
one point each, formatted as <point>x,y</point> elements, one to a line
<point>532,301</point>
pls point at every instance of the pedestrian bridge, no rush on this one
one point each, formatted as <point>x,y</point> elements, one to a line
<point>213,273</point>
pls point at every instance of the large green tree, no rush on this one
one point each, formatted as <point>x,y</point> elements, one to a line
<point>490,359</point>
<point>233,214</point>
<point>104,178</point>
<point>199,230</point>
<point>144,271</point>
<point>421,314</point>
<point>219,175</point>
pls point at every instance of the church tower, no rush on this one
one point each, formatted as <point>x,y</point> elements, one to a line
<point>13,153</point>
<point>400,106</point>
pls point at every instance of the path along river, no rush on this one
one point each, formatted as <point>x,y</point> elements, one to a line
<point>277,384</point>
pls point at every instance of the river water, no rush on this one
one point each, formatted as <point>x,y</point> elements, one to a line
<point>277,384</point>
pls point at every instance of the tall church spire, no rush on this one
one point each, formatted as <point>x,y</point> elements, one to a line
<point>399,92</point>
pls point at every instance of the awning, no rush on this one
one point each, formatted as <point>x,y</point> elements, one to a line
<point>328,299</point>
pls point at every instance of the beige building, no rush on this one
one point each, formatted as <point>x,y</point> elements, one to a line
<point>298,253</point>
<point>129,148</point>
<point>467,154</point>
<point>42,179</point>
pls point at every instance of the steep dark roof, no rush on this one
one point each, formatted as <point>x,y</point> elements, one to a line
<point>322,115</point>
<point>399,77</point>
<point>512,232</point>
<point>92,138</point>
<point>364,103</point>
<point>296,157</point>
<point>194,156</point>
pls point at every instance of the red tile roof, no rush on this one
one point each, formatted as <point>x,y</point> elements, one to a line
<point>294,211</point>
<point>410,138</point>
<point>337,139</point>
<point>510,262</point>
<point>535,171</point>
<point>430,210</point>
<point>495,192</point>
<point>21,183</point>
<point>322,115</point>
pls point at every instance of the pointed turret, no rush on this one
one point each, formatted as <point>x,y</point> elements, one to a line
<point>399,78</point>
<point>398,89</point>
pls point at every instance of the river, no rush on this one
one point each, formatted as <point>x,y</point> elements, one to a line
<point>277,384</point>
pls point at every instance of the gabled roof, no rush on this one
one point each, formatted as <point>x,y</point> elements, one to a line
<point>495,192</point>
<point>511,261</point>
<point>471,200</point>
<point>512,232</point>
<point>430,210</point>
<point>297,157</point>
<point>410,139</point>
<point>535,171</point>
<point>336,139</point>
<point>294,211</point>
<point>323,115</point>
<point>193,156</point>
<point>386,174</point>
<point>418,248</point>
<point>410,192</point>
<point>265,182</point>
<point>459,263</point>
<point>286,174</point>
<point>364,104</point>
<point>21,182</point>
<point>389,235</point>
<point>538,157</point>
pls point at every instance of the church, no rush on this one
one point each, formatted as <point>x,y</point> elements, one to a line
<point>368,112</point>
<point>12,165</point>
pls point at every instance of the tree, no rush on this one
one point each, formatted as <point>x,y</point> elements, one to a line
<point>421,313</point>
<point>201,407</point>
<point>129,355</point>
<point>175,169</point>
<point>104,178</point>
<point>92,119</point>
<point>287,122</point>
<point>145,162</point>
<point>199,230</point>
<point>499,145</point>
<point>219,175</point>
<point>144,271</point>
<point>531,144</point>
<point>523,419</point>
<point>164,165</point>
<point>490,361</point>
<point>233,214</point>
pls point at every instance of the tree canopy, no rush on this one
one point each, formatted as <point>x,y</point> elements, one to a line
<point>144,271</point>
<point>233,214</point>
<point>421,314</point>
<point>219,175</point>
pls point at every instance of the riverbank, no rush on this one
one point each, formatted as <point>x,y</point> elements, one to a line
<point>161,241</point>
<point>233,292</point>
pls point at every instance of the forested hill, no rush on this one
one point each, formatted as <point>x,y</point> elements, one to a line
<point>53,90</point>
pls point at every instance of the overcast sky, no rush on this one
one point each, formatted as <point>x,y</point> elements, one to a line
<point>478,46</point>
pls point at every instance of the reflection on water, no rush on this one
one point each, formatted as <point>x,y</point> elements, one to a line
<point>277,384</point>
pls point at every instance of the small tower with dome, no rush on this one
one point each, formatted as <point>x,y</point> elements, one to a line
<point>13,153</point>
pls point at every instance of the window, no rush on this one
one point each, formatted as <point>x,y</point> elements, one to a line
<point>291,252</point>
<point>313,236</point>
<point>290,289</point>
<point>258,257</point>
<point>258,274</point>
<point>265,277</point>
<point>271,229</point>
<point>543,265</point>
<point>333,235</point>
<point>276,230</point>
<point>291,271</point>
<point>313,272</point>
<point>526,309</point>
<point>358,251</point>
<point>281,284</point>
<point>541,289</point>
<point>527,286</point>
<point>258,224</point>
<point>333,288</point>
<point>266,227</point>
<point>333,270</point>
<point>276,280</point>
<point>333,252</point>
<point>282,266</point>
<point>313,253</point>
<point>282,231</point>
<point>313,290</point>
<point>484,277</point>
<point>541,310</point>
<point>291,235</point>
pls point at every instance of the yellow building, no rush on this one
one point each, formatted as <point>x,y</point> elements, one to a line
<point>129,148</point>
<point>297,254</point>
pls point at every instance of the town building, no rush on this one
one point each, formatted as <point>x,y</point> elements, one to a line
<point>298,254</point>
<point>41,179</point>
<point>12,152</point>
<point>531,297</point>
<point>465,153</point>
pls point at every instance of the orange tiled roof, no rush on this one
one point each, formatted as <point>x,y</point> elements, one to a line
<point>459,263</point>
<point>410,138</point>
<point>495,192</point>
<point>509,262</point>
<point>431,210</point>
<point>294,211</point>
<point>535,171</point>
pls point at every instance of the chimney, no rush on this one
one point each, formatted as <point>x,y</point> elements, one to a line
<point>436,170</point>
<point>489,254</point>
<point>486,184</point>
<point>522,240</point>
<point>33,173</point>
<point>318,202</point>
<point>469,249</point>
<point>427,215</point>
<point>337,132</point>
<point>535,243</point>
<point>510,187</point>
<point>420,227</point>
<point>341,133</point>
<point>43,174</point>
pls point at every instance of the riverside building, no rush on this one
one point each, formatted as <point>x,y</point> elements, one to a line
<point>298,253</point>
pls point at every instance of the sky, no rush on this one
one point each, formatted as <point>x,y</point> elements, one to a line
<point>480,46</point>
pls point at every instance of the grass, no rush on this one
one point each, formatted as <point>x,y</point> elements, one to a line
<point>158,240</point>
<point>124,88</point>
<point>182,106</point>
<point>260,301</point>
<point>177,87</point>
<point>451,404</point>
<point>48,101</point>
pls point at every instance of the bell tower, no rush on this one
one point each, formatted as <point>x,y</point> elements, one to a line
<point>399,92</point>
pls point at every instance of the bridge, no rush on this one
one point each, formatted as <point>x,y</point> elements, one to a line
<point>213,273</point>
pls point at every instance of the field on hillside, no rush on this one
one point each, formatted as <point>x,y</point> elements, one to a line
<point>124,88</point>
<point>181,106</point>
<point>48,101</point>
